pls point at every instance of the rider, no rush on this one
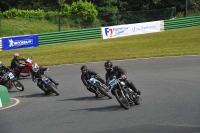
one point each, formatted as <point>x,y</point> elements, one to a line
<point>3,70</point>
<point>16,65</point>
<point>36,72</point>
<point>118,72</point>
<point>86,75</point>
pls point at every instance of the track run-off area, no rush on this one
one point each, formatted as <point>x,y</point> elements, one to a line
<point>170,93</point>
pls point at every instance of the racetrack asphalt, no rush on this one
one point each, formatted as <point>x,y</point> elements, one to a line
<point>170,101</point>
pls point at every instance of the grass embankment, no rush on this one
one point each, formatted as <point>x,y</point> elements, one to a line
<point>23,26</point>
<point>168,43</point>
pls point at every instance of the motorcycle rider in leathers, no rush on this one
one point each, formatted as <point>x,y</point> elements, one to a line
<point>3,69</point>
<point>37,72</point>
<point>118,72</point>
<point>86,75</point>
<point>16,65</point>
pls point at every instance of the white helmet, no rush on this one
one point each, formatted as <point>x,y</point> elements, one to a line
<point>0,64</point>
<point>35,67</point>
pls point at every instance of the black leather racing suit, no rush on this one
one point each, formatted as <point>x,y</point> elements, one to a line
<point>15,65</point>
<point>87,76</point>
<point>118,72</point>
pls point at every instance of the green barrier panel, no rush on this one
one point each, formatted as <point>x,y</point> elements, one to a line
<point>181,22</point>
<point>69,36</point>
<point>4,96</point>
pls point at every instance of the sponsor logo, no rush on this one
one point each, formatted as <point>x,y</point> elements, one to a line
<point>19,42</point>
<point>115,31</point>
<point>108,32</point>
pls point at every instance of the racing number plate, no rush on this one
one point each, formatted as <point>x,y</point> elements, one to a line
<point>112,82</point>
<point>11,76</point>
<point>46,81</point>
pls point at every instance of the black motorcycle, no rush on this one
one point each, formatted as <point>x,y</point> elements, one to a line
<point>124,95</point>
<point>47,86</point>
<point>10,81</point>
<point>99,87</point>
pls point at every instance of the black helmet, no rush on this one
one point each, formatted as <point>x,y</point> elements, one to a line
<point>83,68</point>
<point>108,64</point>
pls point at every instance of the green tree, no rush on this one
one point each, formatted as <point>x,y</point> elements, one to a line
<point>107,11</point>
<point>82,12</point>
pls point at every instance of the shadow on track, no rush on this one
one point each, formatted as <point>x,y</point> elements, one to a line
<point>87,98</point>
<point>35,95</point>
<point>102,109</point>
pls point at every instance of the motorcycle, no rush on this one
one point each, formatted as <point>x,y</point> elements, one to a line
<point>124,95</point>
<point>25,68</point>
<point>47,86</point>
<point>10,81</point>
<point>99,87</point>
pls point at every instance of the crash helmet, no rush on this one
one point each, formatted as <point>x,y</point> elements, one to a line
<point>16,56</point>
<point>35,67</point>
<point>84,69</point>
<point>108,66</point>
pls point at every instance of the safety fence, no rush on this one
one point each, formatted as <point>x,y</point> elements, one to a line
<point>181,23</point>
<point>69,36</point>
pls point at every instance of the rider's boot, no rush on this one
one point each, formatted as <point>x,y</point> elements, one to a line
<point>54,82</point>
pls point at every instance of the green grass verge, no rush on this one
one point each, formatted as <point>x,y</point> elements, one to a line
<point>168,43</point>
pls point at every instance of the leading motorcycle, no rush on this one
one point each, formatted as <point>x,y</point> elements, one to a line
<point>124,95</point>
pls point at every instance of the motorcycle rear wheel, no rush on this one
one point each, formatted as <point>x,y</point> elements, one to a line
<point>121,99</point>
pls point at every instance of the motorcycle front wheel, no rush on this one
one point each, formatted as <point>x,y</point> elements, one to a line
<point>121,99</point>
<point>54,90</point>
<point>18,85</point>
<point>103,91</point>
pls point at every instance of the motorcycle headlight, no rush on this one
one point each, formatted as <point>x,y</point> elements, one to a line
<point>122,83</point>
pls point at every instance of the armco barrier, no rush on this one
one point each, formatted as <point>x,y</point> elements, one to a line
<point>181,22</point>
<point>0,44</point>
<point>69,36</point>
<point>4,96</point>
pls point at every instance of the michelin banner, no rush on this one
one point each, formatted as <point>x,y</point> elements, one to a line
<point>130,29</point>
<point>18,42</point>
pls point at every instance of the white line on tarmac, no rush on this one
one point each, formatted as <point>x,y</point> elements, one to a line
<point>17,102</point>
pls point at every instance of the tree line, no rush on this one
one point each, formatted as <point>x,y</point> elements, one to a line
<point>101,5</point>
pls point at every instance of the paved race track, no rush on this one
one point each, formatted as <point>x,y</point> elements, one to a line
<point>170,101</point>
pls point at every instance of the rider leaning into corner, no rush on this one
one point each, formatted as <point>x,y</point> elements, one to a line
<point>118,72</point>
<point>16,65</point>
<point>86,75</point>
<point>3,70</point>
<point>37,71</point>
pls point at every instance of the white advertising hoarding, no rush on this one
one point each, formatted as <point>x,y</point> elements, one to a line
<point>130,29</point>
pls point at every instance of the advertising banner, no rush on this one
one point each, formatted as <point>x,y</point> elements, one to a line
<point>18,42</point>
<point>130,29</point>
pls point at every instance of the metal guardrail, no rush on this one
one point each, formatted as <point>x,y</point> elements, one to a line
<point>1,47</point>
<point>181,22</point>
<point>69,36</point>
